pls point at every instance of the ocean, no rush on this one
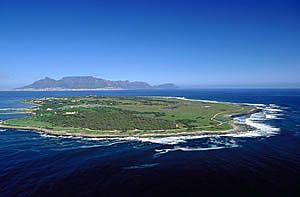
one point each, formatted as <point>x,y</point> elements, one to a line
<point>261,162</point>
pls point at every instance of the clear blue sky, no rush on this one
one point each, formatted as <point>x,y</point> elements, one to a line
<point>190,43</point>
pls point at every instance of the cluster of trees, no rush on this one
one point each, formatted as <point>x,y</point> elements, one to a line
<point>108,118</point>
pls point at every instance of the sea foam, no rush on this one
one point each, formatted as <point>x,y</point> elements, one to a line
<point>258,121</point>
<point>195,148</point>
<point>142,166</point>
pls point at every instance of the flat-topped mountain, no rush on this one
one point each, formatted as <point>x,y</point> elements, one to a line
<point>89,82</point>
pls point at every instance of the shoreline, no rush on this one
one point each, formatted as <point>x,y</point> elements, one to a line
<point>236,129</point>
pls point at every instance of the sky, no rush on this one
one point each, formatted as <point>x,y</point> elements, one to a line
<point>199,44</point>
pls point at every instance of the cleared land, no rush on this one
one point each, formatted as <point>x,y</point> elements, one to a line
<point>96,116</point>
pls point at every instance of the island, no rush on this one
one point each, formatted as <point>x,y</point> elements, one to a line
<point>114,116</point>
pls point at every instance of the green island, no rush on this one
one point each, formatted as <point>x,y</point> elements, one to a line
<point>113,116</point>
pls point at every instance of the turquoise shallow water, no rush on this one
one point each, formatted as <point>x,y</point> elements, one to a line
<point>265,161</point>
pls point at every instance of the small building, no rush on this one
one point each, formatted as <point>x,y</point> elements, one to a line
<point>71,113</point>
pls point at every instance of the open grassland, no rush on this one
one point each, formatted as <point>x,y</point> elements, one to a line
<point>128,116</point>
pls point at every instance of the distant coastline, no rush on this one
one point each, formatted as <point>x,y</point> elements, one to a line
<point>61,89</point>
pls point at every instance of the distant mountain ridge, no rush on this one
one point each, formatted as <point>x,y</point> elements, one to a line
<point>89,82</point>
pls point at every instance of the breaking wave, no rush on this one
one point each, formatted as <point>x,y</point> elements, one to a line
<point>259,121</point>
<point>165,140</point>
<point>178,148</point>
<point>142,166</point>
<point>72,147</point>
<point>209,144</point>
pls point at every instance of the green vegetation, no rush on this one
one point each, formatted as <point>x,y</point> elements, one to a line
<point>128,116</point>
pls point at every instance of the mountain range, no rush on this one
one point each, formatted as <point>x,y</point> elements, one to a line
<point>89,82</point>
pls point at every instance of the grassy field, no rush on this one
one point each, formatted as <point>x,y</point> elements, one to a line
<point>128,116</point>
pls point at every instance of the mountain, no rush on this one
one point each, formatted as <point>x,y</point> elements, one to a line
<point>43,83</point>
<point>89,82</point>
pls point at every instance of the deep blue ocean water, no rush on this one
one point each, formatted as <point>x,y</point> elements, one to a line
<point>261,162</point>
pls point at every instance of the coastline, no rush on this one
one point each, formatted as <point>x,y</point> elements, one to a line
<point>236,129</point>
